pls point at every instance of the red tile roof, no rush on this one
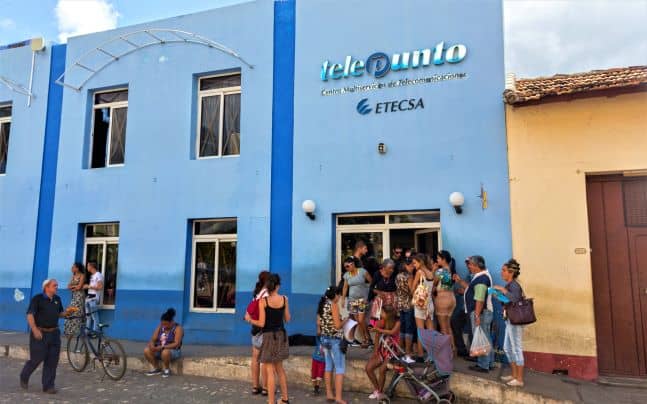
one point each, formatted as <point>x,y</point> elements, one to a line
<point>526,90</point>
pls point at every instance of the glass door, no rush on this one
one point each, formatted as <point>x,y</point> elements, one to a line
<point>427,241</point>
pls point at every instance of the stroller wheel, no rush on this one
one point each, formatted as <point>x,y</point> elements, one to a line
<point>448,398</point>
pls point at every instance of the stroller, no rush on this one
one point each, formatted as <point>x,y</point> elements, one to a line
<point>428,381</point>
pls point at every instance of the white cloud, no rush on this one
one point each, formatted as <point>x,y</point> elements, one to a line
<point>7,24</point>
<point>77,17</point>
<point>545,37</point>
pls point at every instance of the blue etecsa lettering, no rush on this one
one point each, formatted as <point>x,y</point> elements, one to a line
<point>379,64</point>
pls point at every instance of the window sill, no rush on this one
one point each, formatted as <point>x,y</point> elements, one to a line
<point>218,157</point>
<point>213,311</point>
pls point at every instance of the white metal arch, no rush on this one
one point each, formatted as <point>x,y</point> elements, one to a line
<point>13,86</point>
<point>132,43</point>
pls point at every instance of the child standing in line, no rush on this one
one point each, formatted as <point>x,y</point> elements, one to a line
<point>318,363</point>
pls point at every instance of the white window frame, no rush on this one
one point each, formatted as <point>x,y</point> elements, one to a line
<point>104,242</point>
<point>379,228</point>
<point>222,92</point>
<point>112,106</point>
<point>6,119</point>
<point>217,239</point>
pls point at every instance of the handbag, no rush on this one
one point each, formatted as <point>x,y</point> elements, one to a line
<point>376,308</point>
<point>421,295</point>
<point>253,309</point>
<point>521,312</point>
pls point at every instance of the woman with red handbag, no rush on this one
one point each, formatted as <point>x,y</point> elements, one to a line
<point>512,344</point>
<point>257,336</point>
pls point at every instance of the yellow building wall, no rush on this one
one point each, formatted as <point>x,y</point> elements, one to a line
<point>552,147</point>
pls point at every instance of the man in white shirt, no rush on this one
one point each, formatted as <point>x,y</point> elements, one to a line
<point>92,300</point>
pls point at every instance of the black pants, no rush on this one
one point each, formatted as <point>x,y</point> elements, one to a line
<point>47,350</point>
<point>458,322</point>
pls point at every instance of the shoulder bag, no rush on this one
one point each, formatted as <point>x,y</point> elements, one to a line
<point>521,312</point>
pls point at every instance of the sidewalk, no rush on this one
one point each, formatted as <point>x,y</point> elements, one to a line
<point>232,363</point>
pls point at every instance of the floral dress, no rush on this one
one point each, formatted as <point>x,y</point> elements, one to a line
<point>73,326</point>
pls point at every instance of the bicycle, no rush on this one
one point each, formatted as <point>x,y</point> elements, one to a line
<point>107,351</point>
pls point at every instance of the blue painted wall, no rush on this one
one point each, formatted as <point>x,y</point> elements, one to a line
<point>20,186</point>
<point>455,143</point>
<point>162,187</point>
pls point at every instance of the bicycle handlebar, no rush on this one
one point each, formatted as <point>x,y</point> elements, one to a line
<point>80,317</point>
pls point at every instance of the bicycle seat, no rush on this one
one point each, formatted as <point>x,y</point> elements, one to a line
<point>102,326</point>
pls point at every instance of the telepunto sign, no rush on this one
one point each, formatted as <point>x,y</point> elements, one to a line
<point>379,64</point>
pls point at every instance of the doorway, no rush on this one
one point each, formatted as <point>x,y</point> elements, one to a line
<point>617,210</point>
<point>382,232</point>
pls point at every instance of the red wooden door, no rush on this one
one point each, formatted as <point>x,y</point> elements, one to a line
<point>617,208</point>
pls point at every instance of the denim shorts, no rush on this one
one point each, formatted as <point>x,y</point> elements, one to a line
<point>335,359</point>
<point>407,324</point>
<point>175,354</point>
<point>257,340</point>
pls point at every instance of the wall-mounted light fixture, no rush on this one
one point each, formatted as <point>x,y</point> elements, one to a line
<point>309,207</point>
<point>381,148</point>
<point>456,199</point>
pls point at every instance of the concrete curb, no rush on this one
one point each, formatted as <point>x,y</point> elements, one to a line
<point>468,388</point>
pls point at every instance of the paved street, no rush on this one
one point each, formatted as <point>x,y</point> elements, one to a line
<point>135,387</point>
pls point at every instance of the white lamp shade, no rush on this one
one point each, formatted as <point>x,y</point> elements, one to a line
<point>456,199</point>
<point>308,206</point>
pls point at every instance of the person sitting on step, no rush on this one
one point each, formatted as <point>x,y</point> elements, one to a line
<point>165,344</point>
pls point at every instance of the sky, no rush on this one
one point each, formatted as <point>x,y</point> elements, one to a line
<point>542,37</point>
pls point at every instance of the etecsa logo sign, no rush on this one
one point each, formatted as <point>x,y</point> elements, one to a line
<point>408,104</point>
<point>363,108</point>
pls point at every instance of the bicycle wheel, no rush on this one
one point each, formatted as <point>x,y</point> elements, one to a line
<point>113,358</point>
<point>77,353</point>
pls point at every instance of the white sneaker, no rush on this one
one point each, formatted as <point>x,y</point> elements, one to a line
<point>515,383</point>
<point>166,372</point>
<point>376,395</point>
<point>408,359</point>
<point>506,378</point>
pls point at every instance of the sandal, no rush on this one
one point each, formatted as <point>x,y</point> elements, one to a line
<point>256,391</point>
<point>280,400</point>
<point>264,391</point>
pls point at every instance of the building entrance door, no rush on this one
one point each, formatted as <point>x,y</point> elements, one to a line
<point>382,232</point>
<point>617,209</point>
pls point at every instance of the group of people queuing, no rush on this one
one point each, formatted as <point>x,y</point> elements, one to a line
<point>451,303</point>
<point>411,291</point>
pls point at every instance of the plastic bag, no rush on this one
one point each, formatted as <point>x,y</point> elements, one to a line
<point>480,343</point>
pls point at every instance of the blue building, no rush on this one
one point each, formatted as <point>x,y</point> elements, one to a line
<point>188,146</point>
